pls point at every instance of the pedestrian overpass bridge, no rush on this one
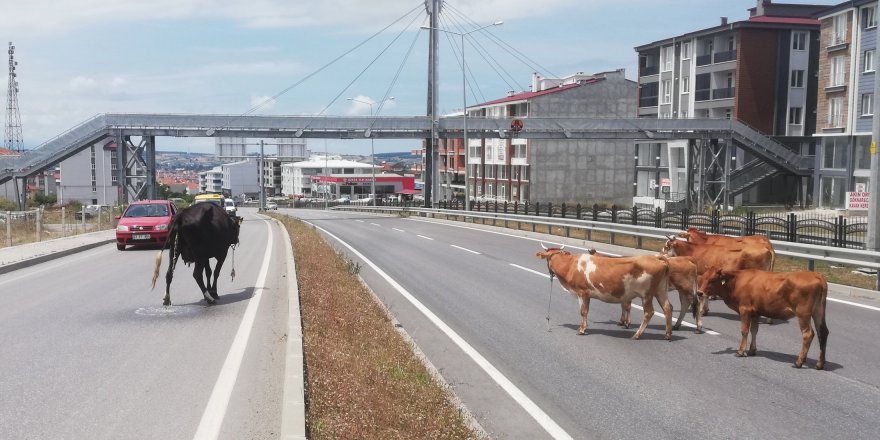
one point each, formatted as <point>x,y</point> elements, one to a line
<point>703,134</point>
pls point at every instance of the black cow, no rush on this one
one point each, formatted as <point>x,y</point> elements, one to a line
<point>198,233</point>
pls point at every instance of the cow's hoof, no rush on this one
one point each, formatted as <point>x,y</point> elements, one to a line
<point>210,301</point>
<point>636,337</point>
<point>621,324</point>
<point>214,295</point>
<point>740,354</point>
<point>820,366</point>
<point>668,337</point>
<point>676,326</point>
<point>699,331</point>
<point>797,365</point>
<point>166,303</point>
<point>753,352</point>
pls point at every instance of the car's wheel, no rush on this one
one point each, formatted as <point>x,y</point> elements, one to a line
<point>120,247</point>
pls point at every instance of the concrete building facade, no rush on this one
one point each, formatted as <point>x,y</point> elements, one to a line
<point>845,105</point>
<point>545,170</point>
<point>90,177</point>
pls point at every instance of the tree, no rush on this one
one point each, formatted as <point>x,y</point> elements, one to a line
<point>41,199</point>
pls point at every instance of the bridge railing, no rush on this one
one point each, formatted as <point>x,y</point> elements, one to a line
<point>808,252</point>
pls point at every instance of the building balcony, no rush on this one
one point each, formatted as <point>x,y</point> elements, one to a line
<point>648,101</point>
<point>721,57</point>
<point>702,95</point>
<point>651,70</point>
<point>725,93</point>
<point>704,60</point>
<point>795,129</point>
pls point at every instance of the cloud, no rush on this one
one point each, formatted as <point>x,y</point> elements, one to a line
<point>265,103</point>
<point>360,106</point>
<point>53,17</point>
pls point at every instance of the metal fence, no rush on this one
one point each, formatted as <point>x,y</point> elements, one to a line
<point>809,228</point>
<point>22,227</point>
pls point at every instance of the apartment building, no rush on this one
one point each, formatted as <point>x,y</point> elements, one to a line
<point>761,71</point>
<point>90,176</point>
<point>298,179</point>
<point>546,170</point>
<point>845,104</point>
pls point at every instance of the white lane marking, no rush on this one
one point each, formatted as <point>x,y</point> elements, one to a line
<point>426,238</point>
<point>527,404</point>
<point>359,221</point>
<point>683,322</point>
<point>375,224</point>
<point>465,249</point>
<point>864,306</point>
<point>398,230</point>
<point>215,410</point>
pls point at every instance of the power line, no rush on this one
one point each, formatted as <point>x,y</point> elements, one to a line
<point>472,81</point>
<point>480,51</point>
<point>507,47</point>
<point>386,98</point>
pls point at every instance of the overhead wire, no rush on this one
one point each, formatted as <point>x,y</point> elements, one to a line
<point>472,84</point>
<point>487,56</point>
<point>320,69</point>
<point>387,95</point>
<point>364,70</point>
<point>521,57</point>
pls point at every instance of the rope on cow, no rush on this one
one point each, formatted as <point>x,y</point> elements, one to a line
<point>550,300</point>
<point>233,262</point>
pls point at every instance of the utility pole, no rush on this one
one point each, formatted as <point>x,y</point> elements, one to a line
<point>873,241</point>
<point>431,154</point>
<point>262,177</point>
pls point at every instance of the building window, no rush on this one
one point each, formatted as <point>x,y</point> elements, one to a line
<point>685,84</point>
<point>799,41</point>
<point>832,191</point>
<point>686,50</point>
<point>868,61</point>
<point>838,35</point>
<point>867,104</point>
<point>835,112</point>
<point>797,78</point>
<point>835,153</point>
<point>863,153</point>
<point>667,57</point>
<point>794,115</point>
<point>869,17</point>
<point>837,73</point>
<point>667,91</point>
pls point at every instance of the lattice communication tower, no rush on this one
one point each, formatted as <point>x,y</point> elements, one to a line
<point>13,140</point>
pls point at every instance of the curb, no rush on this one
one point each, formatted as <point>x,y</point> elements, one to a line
<point>293,409</point>
<point>6,268</point>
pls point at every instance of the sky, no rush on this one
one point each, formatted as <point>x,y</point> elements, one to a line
<point>80,58</point>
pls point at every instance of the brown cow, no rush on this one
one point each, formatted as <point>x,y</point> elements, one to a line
<point>728,256</point>
<point>612,280</point>
<point>779,295</point>
<point>696,236</point>
<point>683,277</point>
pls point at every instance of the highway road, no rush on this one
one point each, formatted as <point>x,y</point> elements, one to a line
<point>476,303</point>
<point>88,351</point>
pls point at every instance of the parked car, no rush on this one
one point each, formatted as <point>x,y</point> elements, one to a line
<point>145,222</point>
<point>89,211</point>
<point>343,200</point>
<point>271,205</point>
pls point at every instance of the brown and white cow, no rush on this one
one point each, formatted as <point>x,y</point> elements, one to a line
<point>612,280</point>
<point>683,277</point>
<point>778,295</point>
<point>696,236</point>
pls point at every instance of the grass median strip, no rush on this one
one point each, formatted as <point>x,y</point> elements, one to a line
<point>363,379</point>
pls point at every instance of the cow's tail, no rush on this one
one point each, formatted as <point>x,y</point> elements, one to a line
<point>172,238</point>
<point>819,319</point>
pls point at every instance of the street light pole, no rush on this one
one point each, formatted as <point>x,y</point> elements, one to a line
<point>372,150</point>
<point>467,184</point>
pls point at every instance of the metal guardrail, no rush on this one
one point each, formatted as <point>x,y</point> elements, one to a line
<point>809,252</point>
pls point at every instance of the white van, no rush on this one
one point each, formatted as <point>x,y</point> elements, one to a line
<point>229,206</point>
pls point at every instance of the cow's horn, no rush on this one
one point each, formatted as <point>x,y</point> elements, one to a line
<point>545,247</point>
<point>561,247</point>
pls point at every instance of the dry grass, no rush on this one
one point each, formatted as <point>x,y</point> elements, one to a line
<point>363,379</point>
<point>24,230</point>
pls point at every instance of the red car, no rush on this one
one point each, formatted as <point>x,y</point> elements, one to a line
<point>145,222</point>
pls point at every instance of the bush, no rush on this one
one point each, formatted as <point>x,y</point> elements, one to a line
<point>7,205</point>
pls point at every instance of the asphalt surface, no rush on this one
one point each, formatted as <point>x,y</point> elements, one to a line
<point>476,303</point>
<point>88,351</point>
<point>94,356</point>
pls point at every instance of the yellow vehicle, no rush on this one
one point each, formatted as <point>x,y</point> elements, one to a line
<point>216,199</point>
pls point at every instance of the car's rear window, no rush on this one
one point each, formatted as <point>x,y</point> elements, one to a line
<point>147,210</point>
